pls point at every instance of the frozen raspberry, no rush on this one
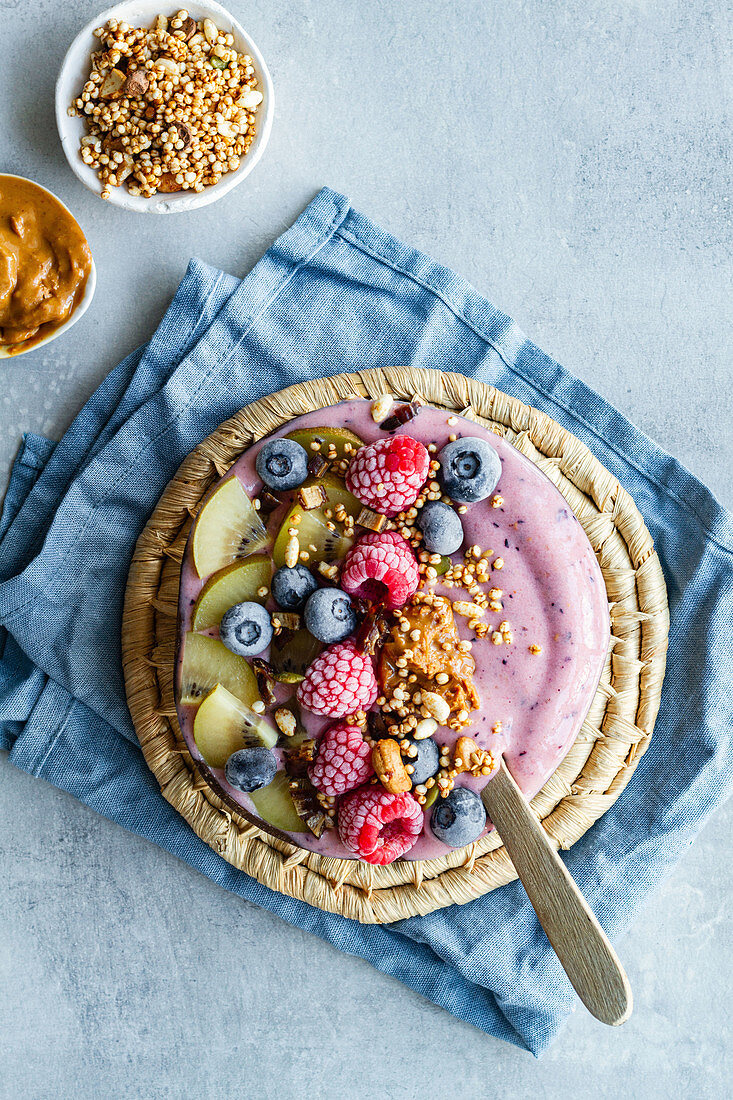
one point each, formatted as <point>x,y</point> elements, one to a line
<point>344,760</point>
<point>381,567</point>
<point>377,825</point>
<point>388,475</point>
<point>339,682</point>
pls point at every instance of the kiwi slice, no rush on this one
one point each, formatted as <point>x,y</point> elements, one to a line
<point>430,797</point>
<point>274,804</point>
<point>290,659</point>
<point>312,525</point>
<point>228,527</point>
<point>206,663</point>
<point>234,584</point>
<point>327,437</point>
<point>223,724</point>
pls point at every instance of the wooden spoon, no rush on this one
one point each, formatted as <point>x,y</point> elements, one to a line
<point>577,938</point>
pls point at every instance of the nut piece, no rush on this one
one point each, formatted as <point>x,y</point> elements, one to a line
<point>387,763</point>
<point>436,706</point>
<point>312,496</point>
<point>168,66</point>
<point>424,729</point>
<point>112,84</point>
<point>381,407</point>
<point>167,183</point>
<point>464,750</point>
<point>468,610</point>
<point>285,720</point>
<point>211,31</point>
<point>292,550</point>
<point>250,99</point>
<point>373,521</point>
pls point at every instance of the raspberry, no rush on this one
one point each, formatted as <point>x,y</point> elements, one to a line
<point>344,760</point>
<point>339,682</point>
<point>388,475</point>
<point>381,562</point>
<point>377,825</point>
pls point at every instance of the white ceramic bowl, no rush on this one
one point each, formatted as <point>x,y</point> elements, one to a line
<point>12,351</point>
<point>75,70</point>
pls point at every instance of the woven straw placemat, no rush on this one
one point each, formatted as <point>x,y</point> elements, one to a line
<point>613,737</point>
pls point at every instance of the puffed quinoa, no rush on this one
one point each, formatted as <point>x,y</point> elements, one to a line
<point>172,107</point>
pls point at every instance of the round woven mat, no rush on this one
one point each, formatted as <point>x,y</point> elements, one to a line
<point>613,737</point>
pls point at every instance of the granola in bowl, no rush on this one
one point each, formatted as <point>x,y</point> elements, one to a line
<point>172,107</point>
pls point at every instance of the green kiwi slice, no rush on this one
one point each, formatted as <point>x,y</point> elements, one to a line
<point>223,725</point>
<point>206,663</point>
<point>313,528</point>
<point>291,653</point>
<point>274,804</point>
<point>327,437</point>
<point>228,527</point>
<point>236,583</point>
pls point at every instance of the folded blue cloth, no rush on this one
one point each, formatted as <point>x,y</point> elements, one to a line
<point>334,294</point>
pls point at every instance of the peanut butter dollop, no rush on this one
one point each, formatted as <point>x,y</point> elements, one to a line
<point>428,648</point>
<point>44,262</point>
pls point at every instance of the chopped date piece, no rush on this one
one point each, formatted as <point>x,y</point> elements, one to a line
<point>188,29</point>
<point>372,632</point>
<point>298,758</point>
<point>312,496</point>
<point>286,620</point>
<point>265,680</point>
<point>403,414</point>
<point>303,793</point>
<point>269,501</point>
<point>283,638</point>
<point>373,521</point>
<point>377,725</point>
<point>307,806</point>
<point>317,465</point>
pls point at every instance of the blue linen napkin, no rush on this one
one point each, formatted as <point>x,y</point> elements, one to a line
<point>333,294</point>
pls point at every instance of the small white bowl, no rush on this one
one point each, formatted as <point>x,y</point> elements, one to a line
<point>75,71</point>
<point>13,351</point>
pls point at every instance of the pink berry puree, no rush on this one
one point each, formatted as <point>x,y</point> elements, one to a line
<point>536,691</point>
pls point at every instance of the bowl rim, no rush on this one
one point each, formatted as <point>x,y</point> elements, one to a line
<point>14,351</point>
<point>185,201</point>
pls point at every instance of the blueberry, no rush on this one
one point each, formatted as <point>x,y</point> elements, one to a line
<point>458,819</point>
<point>469,469</point>
<point>442,530</point>
<point>329,615</point>
<point>246,629</point>
<point>282,464</point>
<point>292,587</point>
<point>426,762</point>
<point>250,769</point>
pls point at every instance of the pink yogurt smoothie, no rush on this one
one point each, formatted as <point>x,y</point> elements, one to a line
<point>554,597</point>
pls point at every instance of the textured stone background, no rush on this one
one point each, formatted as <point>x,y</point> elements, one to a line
<point>571,160</point>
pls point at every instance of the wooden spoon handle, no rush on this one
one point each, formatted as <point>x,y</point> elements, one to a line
<point>578,940</point>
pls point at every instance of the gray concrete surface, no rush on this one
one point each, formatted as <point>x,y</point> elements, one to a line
<point>571,160</point>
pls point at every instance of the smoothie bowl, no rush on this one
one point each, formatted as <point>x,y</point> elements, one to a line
<point>377,602</point>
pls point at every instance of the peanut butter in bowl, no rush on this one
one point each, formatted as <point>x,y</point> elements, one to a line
<point>45,266</point>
